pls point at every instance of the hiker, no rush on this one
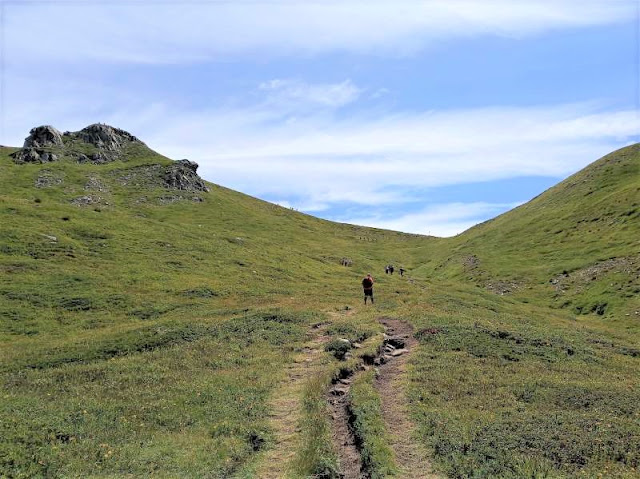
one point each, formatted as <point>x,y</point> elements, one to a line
<point>402,270</point>
<point>367,286</point>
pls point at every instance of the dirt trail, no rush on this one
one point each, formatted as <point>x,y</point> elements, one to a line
<point>285,407</point>
<point>390,383</point>
<point>344,441</point>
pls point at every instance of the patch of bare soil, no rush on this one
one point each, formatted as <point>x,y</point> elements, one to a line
<point>344,440</point>
<point>390,383</point>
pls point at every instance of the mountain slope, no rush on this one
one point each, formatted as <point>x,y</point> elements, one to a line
<point>577,245</point>
<point>147,316</point>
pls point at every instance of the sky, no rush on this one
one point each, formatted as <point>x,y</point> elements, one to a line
<point>419,116</point>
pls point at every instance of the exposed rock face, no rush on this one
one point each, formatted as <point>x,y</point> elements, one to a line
<point>42,137</point>
<point>182,175</point>
<point>105,137</point>
<point>33,155</point>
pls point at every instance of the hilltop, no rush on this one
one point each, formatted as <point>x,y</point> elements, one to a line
<point>152,322</point>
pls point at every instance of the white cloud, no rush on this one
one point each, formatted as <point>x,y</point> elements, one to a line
<point>299,94</point>
<point>328,160</point>
<point>193,32</point>
<point>437,220</point>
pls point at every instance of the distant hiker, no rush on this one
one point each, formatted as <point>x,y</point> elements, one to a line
<point>390,269</point>
<point>367,286</point>
<point>402,270</point>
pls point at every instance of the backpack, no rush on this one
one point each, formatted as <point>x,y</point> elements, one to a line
<point>367,283</point>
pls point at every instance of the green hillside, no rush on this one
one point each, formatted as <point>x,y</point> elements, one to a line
<point>147,321</point>
<point>575,246</point>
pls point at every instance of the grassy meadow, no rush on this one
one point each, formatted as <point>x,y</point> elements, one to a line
<point>144,330</point>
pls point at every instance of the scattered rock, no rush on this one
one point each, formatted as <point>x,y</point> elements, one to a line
<point>170,199</point>
<point>86,200</point>
<point>46,179</point>
<point>97,158</point>
<point>502,287</point>
<point>94,184</point>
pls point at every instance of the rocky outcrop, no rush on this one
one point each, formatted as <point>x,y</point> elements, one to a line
<point>182,175</point>
<point>33,155</point>
<point>96,144</point>
<point>99,144</point>
<point>43,137</point>
<point>105,137</point>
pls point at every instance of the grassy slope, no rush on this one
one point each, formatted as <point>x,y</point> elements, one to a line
<point>147,336</point>
<point>583,221</point>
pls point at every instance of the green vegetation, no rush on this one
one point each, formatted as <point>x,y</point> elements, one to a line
<point>369,428</point>
<point>316,457</point>
<point>144,330</point>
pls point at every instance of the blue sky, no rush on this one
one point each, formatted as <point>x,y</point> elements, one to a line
<point>425,117</point>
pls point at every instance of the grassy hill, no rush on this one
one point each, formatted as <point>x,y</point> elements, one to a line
<point>146,320</point>
<point>575,246</point>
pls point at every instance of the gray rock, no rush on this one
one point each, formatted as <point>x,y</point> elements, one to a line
<point>47,179</point>
<point>399,352</point>
<point>33,155</point>
<point>95,184</point>
<point>42,137</point>
<point>395,341</point>
<point>105,137</point>
<point>181,175</point>
<point>86,200</point>
<point>340,390</point>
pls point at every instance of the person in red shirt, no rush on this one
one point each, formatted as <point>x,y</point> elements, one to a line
<point>367,286</point>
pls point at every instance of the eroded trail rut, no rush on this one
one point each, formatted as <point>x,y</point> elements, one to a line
<point>390,383</point>
<point>390,362</point>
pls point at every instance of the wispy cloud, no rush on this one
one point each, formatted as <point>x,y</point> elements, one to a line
<point>331,160</point>
<point>299,94</point>
<point>437,220</point>
<point>195,32</point>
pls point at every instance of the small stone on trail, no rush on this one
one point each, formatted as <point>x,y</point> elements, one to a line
<point>399,352</point>
<point>395,341</point>
<point>339,391</point>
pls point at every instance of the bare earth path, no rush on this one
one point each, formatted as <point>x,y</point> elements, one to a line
<point>285,408</point>
<point>390,383</point>
<point>343,438</point>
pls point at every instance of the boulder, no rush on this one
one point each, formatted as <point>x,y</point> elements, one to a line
<point>42,137</point>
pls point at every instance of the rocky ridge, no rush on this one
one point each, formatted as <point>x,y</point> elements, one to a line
<point>100,144</point>
<point>97,143</point>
